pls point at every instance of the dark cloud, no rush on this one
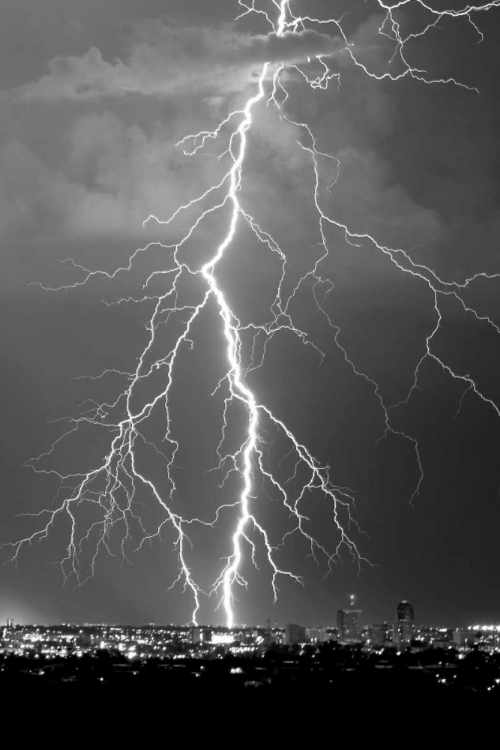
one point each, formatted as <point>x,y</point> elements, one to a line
<point>166,60</point>
<point>110,173</point>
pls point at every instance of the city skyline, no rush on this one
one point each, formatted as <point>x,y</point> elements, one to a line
<point>354,245</point>
<point>360,622</point>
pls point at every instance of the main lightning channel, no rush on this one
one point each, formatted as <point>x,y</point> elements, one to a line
<point>238,387</point>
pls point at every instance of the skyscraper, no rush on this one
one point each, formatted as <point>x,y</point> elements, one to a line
<point>406,621</point>
<point>347,623</point>
<point>406,613</point>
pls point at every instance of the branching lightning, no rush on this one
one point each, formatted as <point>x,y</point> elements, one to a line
<point>112,489</point>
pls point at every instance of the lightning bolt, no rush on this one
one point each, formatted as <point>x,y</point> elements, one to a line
<point>113,488</point>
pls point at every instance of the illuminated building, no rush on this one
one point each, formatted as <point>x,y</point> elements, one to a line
<point>198,634</point>
<point>406,622</point>
<point>317,635</point>
<point>295,633</point>
<point>347,622</point>
<point>10,623</point>
<point>222,639</point>
<point>378,634</point>
<point>406,613</point>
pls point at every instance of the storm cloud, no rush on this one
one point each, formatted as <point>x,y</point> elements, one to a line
<point>168,60</point>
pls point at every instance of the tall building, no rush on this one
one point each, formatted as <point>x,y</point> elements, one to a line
<point>406,613</point>
<point>406,622</point>
<point>295,633</point>
<point>10,623</point>
<point>348,624</point>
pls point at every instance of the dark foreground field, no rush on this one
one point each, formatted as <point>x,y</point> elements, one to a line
<point>125,697</point>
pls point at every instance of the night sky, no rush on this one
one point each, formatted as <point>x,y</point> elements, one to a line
<point>93,98</point>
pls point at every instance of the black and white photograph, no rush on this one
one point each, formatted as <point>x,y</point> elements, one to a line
<point>250,358</point>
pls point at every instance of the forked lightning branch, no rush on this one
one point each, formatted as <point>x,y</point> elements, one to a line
<point>115,487</point>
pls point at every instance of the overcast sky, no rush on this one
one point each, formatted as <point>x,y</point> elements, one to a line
<point>94,98</point>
